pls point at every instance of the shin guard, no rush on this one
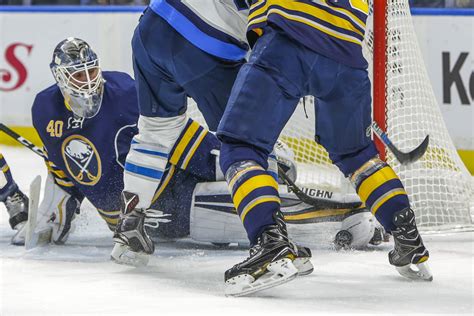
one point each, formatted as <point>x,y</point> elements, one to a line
<point>381,190</point>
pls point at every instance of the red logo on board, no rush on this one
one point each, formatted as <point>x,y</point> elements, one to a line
<point>13,79</point>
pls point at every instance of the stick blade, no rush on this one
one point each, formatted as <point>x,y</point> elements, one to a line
<point>412,156</point>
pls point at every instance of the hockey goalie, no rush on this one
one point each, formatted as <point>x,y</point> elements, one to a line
<point>87,121</point>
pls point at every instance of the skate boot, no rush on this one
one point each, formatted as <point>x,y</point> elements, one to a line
<point>132,246</point>
<point>270,263</point>
<point>410,255</point>
<point>302,261</point>
<point>17,207</point>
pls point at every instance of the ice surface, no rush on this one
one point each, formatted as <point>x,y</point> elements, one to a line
<point>187,278</point>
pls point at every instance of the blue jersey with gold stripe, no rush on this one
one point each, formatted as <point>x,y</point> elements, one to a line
<point>333,28</point>
<point>86,156</point>
<point>216,27</point>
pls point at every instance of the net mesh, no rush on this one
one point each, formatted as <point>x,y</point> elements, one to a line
<point>439,186</point>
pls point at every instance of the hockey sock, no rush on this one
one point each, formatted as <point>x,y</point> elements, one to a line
<point>381,190</point>
<point>110,217</point>
<point>255,196</point>
<point>192,151</point>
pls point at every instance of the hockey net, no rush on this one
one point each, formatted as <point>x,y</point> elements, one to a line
<point>439,186</point>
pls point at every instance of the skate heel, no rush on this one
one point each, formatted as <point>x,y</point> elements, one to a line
<point>416,272</point>
<point>304,266</point>
<point>277,272</point>
<point>303,261</point>
<point>123,255</point>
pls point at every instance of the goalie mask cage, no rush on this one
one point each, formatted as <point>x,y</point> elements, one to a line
<point>439,186</point>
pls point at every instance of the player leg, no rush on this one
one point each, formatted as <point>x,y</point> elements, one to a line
<point>15,201</point>
<point>265,94</point>
<point>168,139</point>
<point>343,128</point>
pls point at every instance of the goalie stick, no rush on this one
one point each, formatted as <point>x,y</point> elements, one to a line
<point>35,236</point>
<point>25,142</point>
<point>320,204</point>
<point>403,158</point>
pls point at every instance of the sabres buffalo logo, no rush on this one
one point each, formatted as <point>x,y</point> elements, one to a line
<point>82,159</point>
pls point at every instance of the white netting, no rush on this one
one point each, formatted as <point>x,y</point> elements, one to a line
<point>439,186</point>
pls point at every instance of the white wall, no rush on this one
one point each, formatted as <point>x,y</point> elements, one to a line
<point>38,33</point>
<point>451,38</point>
<point>32,37</point>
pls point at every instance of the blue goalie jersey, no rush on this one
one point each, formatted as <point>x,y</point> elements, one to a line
<point>86,156</point>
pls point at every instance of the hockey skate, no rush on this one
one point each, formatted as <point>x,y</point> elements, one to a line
<point>410,255</point>
<point>17,207</point>
<point>270,263</point>
<point>303,261</point>
<point>132,246</point>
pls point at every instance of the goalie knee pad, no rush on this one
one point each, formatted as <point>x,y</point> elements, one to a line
<point>356,231</point>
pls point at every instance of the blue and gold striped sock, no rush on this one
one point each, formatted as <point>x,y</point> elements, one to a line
<point>255,196</point>
<point>381,190</point>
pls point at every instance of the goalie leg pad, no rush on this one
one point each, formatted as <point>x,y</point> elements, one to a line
<point>213,218</point>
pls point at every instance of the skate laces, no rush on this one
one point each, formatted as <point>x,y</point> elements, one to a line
<point>153,218</point>
<point>405,222</point>
<point>254,250</point>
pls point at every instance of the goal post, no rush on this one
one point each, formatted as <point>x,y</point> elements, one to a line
<point>439,186</point>
<point>379,11</point>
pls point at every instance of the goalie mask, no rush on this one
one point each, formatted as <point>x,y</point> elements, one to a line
<point>76,69</point>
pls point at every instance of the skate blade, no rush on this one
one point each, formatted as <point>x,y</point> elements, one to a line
<point>279,272</point>
<point>417,272</point>
<point>123,255</point>
<point>303,265</point>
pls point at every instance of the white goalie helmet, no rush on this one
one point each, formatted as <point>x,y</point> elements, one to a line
<point>76,69</point>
